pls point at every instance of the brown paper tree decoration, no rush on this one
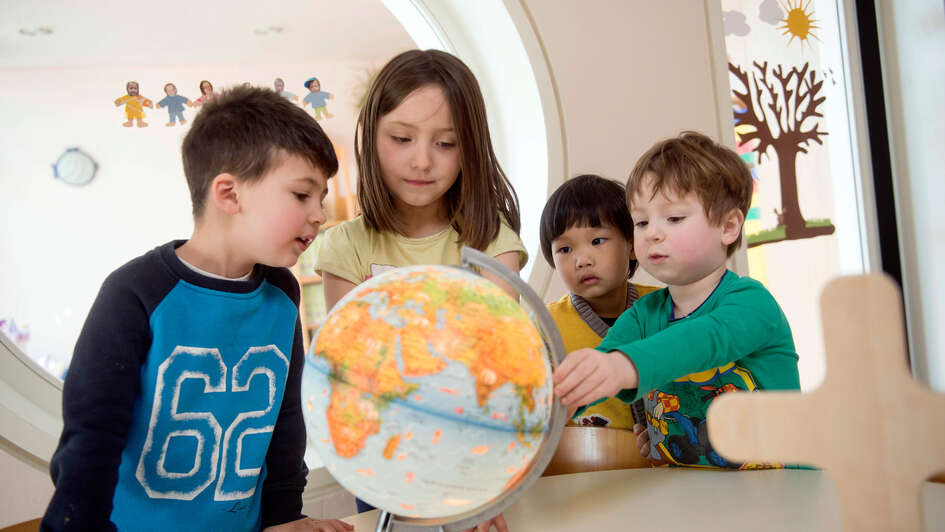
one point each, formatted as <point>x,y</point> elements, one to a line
<point>778,109</point>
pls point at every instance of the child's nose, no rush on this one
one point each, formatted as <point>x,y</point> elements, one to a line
<point>582,260</point>
<point>653,233</point>
<point>317,215</point>
<point>421,158</point>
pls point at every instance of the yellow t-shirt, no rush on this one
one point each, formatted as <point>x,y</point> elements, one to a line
<point>577,334</point>
<point>355,253</point>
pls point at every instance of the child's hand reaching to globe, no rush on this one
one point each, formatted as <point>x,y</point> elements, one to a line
<point>307,524</point>
<point>587,375</point>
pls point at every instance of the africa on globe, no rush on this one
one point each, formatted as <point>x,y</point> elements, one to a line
<point>427,391</point>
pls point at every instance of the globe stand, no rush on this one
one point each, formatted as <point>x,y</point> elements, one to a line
<point>477,261</point>
<point>386,522</point>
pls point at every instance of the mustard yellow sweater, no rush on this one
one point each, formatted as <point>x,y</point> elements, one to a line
<point>580,328</point>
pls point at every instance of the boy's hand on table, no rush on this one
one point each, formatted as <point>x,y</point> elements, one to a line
<point>307,524</point>
<point>643,439</point>
<point>587,375</point>
<point>498,522</point>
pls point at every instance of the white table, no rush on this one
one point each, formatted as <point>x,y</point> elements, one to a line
<point>684,500</point>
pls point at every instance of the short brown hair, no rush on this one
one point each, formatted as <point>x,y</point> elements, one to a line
<point>482,196</point>
<point>693,162</point>
<point>243,131</point>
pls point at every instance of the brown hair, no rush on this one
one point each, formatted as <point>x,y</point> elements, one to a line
<point>693,162</point>
<point>482,195</point>
<point>244,132</point>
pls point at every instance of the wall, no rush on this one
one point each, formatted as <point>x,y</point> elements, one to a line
<point>30,495</point>
<point>627,73</point>
<point>618,95</point>
<point>60,241</point>
<point>912,37</point>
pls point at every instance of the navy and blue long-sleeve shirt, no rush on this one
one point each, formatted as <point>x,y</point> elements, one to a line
<point>182,406</point>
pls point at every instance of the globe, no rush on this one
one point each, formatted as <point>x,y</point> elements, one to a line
<point>427,393</point>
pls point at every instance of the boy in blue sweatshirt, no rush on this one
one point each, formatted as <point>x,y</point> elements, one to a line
<point>182,407</point>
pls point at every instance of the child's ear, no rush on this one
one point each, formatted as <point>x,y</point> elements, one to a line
<point>224,193</point>
<point>732,226</point>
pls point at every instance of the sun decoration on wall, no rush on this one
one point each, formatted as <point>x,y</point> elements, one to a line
<point>799,21</point>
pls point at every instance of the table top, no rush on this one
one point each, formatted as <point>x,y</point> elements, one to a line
<point>684,499</point>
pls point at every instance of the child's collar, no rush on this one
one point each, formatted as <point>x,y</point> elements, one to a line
<point>673,317</point>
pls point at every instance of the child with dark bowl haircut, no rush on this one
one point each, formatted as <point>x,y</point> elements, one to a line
<point>587,237</point>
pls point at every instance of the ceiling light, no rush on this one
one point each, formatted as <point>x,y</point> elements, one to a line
<point>32,32</point>
<point>270,29</point>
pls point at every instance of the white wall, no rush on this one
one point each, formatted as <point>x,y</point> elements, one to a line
<point>28,493</point>
<point>60,241</point>
<point>627,74</point>
<point>912,38</point>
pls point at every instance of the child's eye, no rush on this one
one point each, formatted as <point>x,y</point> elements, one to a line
<point>563,249</point>
<point>641,224</point>
<point>675,219</point>
<point>400,140</point>
<point>446,144</point>
<point>598,241</point>
<point>301,196</point>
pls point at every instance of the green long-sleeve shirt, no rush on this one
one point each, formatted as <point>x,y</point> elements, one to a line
<point>737,339</point>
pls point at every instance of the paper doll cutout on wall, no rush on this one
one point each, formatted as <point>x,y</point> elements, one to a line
<point>279,86</point>
<point>206,93</point>
<point>20,334</point>
<point>175,105</point>
<point>781,106</point>
<point>134,105</point>
<point>317,98</point>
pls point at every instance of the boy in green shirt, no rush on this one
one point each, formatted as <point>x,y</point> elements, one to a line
<point>709,331</point>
